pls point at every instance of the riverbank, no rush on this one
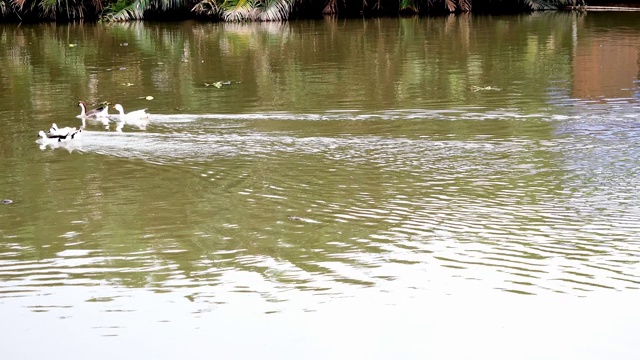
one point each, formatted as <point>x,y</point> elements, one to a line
<point>275,10</point>
<point>256,10</point>
<point>606,8</point>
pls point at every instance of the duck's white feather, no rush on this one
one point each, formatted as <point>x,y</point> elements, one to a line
<point>56,131</point>
<point>138,118</point>
<point>45,138</point>
<point>69,142</point>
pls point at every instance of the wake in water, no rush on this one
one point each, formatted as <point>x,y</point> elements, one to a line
<point>178,137</point>
<point>527,202</point>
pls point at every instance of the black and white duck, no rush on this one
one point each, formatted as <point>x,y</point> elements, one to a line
<point>56,131</point>
<point>71,135</point>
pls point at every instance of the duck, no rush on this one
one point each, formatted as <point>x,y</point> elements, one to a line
<point>55,131</point>
<point>45,138</point>
<point>99,115</point>
<point>102,111</point>
<point>139,118</point>
<point>68,141</point>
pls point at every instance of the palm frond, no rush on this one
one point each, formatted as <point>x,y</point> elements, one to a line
<point>134,11</point>
<point>207,7</point>
<point>165,5</point>
<point>275,10</point>
<point>49,8</point>
<point>450,5</point>
<point>536,5</point>
<point>19,4</point>
<point>464,5</point>
<point>331,7</point>
<point>239,10</point>
<point>409,5</point>
<point>7,7</point>
<point>98,4</point>
<point>52,8</point>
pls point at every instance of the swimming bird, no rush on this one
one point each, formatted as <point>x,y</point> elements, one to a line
<point>61,134</point>
<point>139,118</point>
<point>48,138</point>
<point>56,131</point>
<point>140,114</point>
<point>98,115</point>
<point>68,141</point>
<point>102,111</point>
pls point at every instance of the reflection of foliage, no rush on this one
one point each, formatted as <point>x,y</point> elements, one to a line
<point>443,70</point>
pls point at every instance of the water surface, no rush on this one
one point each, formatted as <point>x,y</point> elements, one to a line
<point>396,188</point>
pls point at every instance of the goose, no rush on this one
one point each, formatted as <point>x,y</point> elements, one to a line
<point>139,118</point>
<point>102,111</point>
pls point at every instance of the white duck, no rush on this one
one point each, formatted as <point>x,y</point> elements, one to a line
<point>139,118</point>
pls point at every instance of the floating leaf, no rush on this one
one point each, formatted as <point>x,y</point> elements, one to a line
<point>218,84</point>
<point>483,88</point>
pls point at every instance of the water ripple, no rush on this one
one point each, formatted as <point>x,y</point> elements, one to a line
<point>525,203</point>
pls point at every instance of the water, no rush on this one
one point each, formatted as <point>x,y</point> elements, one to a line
<point>452,187</point>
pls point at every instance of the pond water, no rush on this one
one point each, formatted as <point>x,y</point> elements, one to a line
<point>453,187</point>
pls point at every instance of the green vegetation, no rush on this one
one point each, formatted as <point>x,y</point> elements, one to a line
<point>252,10</point>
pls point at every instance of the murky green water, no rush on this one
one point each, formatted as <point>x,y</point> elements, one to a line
<point>459,187</point>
